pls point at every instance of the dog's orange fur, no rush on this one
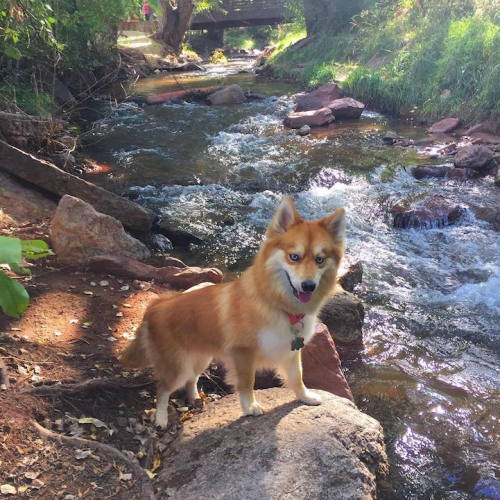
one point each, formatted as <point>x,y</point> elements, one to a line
<point>244,322</point>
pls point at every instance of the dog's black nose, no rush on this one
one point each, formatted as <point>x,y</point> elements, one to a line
<point>308,286</point>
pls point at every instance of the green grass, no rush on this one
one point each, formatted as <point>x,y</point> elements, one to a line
<point>443,63</point>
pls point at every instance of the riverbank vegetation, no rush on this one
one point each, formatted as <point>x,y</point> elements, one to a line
<point>430,58</point>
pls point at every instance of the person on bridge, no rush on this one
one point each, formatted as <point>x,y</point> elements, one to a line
<point>147,10</point>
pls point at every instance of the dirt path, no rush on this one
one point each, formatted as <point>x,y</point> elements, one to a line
<point>76,324</point>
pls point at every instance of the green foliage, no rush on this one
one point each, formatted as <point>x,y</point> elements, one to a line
<point>42,37</point>
<point>14,298</point>
<point>430,57</point>
<point>217,57</point>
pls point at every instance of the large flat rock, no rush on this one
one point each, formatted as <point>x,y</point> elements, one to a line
<point>332,451</point>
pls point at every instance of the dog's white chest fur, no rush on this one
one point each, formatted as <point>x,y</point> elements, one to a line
<point>275,341</point>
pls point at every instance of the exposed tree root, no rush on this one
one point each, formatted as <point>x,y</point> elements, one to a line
<point>94,384</point>
<point>111,452</point>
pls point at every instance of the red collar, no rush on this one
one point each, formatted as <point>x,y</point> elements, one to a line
<point>295,318</point>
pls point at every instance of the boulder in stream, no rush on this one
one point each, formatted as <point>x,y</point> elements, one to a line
<point>475,156</point>
<point>346,107</point>
<point>232,94</point>
<point>78,232</point>
<point>423,171</point>
<point>314,118</point>
<point>344,315</point>
<point>352,277</point>
<point>319,98</point>
<point>444,126</point>
<point>331,451</point>
<point>425,213</point>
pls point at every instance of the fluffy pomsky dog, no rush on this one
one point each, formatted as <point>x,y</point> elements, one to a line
<point>251,323</point>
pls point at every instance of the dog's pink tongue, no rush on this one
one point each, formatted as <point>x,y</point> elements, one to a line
<point>304,296</point>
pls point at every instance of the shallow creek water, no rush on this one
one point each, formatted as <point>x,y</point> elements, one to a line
<point>429,370</point>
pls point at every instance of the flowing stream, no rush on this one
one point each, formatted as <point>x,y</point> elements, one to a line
<point>429,371</point>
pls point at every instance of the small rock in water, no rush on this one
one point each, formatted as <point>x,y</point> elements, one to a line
<point>474,156</point>
<point>162,243</point>
<point>425,213</point>
<point>304,130</point>
<point>390,137</point>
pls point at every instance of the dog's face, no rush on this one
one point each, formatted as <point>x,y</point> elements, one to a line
<point>302,252</point>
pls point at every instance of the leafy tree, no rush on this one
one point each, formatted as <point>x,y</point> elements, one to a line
<point>176,18</point>
<point>14,298</point>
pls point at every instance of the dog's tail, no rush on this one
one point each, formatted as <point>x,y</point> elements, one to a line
<point>135,355</point>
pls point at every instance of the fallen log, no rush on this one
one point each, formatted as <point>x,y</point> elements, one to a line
<point>176,277</point>
<point>175,95</point>
<point>51,178</point>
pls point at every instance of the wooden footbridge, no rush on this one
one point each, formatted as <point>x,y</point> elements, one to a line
<point>238,13</point>
<point>230,14</point>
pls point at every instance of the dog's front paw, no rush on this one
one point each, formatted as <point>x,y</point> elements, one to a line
<point>310,398</point>
<point>254,409</point>
<point>161,419</point>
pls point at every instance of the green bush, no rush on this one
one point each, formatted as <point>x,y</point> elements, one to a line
<point>14,298</point>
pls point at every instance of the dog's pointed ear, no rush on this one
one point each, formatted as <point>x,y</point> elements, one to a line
<point>335,224</point>
<point>286,216</point>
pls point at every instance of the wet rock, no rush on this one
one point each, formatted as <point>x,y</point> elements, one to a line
<point>487,127</point>
<point>444,126</point>
<point>474,156</point>
<point>425,213</point>
<point>497,177</point>
<point>232,94</point>
<point>162,243</point>
<point>344,315</point>
<point>304,130</point>
<point>319,98</point>
<point>255,96</point>
<point>489,213</point>
<point>484,138</point>
<point>20,203</point>
<point>321,365</point>
<point>352,277</point>
<point>314,118</point>
<point>422,172</point>
<point>173,275</point>
<point>172,261</point>
<point>346,108</point>
<point>390,137</point>
<point>331,451</point>
<point>78,232</point>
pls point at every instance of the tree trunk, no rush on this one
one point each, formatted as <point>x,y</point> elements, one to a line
<point>174,23</point>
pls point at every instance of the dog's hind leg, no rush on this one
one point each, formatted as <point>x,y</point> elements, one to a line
<point>192,384</point>
<point>171,376</point>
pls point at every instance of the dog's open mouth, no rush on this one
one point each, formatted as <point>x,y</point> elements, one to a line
<point>303,297</point>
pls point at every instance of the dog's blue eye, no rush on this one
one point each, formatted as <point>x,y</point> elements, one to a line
<point>320,260</point>
<point>294,257</point>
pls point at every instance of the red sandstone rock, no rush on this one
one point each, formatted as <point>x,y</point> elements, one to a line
<point>444,126</point>
<point>429,212</point>
<point>319,98</point>
<point>474,156</point>
<point>314,118</point>
<point>346,108</point>
<point>321,365</point>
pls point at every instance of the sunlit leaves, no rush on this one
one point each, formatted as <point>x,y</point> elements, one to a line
<point>13,297</point>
